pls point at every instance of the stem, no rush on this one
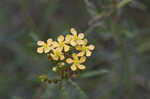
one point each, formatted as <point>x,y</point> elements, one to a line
<point>64,92</point>
<point>127,53</point>
<point>123,3</point>
<point>109,13</point>
<point>78,89</point>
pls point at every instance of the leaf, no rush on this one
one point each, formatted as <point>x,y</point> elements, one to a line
<point>144,47</point>
<point>94,73</point>
<point>123,3</point>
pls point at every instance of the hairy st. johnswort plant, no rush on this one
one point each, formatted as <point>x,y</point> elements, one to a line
<point>68,54</point>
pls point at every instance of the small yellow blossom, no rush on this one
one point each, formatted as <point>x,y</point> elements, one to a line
<point>57,54</point>
<point>77,39</point>
<point>76,62</point>
<point>85,50</point>
<point>54,69</point>
<point>45,47</point>
<point>68,38</point>
<point>61,44</point>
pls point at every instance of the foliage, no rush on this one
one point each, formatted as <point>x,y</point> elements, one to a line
<point>118,68</point>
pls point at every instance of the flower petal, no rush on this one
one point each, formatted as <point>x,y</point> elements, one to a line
<point>81,36</point>
<point>68,38</point>
<point>55,44</point>
<point>75,56</point>
<point>82,59</point>
<point>81,67</point>
<point>73,43</point>
<point>73,31</point>
<point>49,41</point>
<point>46,50</point>
<point>66,48</point>
<point>58,50</point>
<point>40,43</point>
<point>78,48</point>
<point>54,69</point>
<point>69,60</point>
<point>54,57</point>
<point>88,53</point>
<point>60,38</point>
<point>85,41</point>
<point>61,57</point>
<point>81,53</point>
<point>73,68</point>
<point>81,42</point>
<point>91,47</point>
<point>40,50</point>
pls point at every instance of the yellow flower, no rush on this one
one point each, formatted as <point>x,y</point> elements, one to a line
<point>77,39</point>
<point>45,47</point>
<point>85,50</point>
<point>76,62</point>
<point>57,54</point>
<point>68,38</point>
<point>54,69</point>
<point>61,44</point>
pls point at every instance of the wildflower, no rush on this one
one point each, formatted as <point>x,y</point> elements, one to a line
<point>57,54</point>
<point>68,38</point>
<point>71,49</point>
<point>76,39</point>
<point>61,44</point>
<point>76,62</point>
<point>85,50</point>
<point>54,69</point>
<point>45,47</point>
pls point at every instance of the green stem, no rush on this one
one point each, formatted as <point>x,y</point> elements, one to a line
<point>123,3</point>
<point>127,69</point>
<point>109,13</point>
<point>78,89</point>
<point>64,92</point>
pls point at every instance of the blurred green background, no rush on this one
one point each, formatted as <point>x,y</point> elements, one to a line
<point>118,69</point>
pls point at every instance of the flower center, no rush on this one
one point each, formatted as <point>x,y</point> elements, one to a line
<point>84,47</point>
<point>61,44</point>
<point>75,37</point>
<point>57,53</point>
<point>76,62</point>
<point>45,45</point>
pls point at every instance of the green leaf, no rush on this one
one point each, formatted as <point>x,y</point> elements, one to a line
<point>94,73</point>
<point>123,3</point>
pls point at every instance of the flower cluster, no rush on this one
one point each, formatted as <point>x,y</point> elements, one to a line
<point>68,52</point>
